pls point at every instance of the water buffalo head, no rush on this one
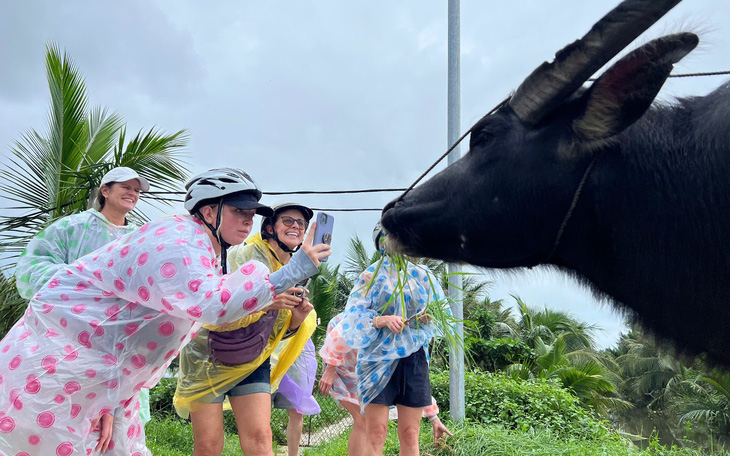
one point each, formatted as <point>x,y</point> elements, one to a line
<point>505,203</point>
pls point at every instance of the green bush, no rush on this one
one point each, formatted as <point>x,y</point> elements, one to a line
<point>493,398</point>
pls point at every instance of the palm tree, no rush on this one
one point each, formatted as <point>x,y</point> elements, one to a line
<point>563,349</point>
<point>54,174</point>
<point>12,305</point>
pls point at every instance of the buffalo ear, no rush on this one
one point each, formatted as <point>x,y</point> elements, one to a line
<point>626,90</point>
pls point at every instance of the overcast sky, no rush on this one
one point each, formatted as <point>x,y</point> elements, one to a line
<point>320,95</point>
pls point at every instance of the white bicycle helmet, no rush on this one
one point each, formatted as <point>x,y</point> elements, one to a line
<point>211,185</point>
<point>223,186</point>
<point>279,208</point>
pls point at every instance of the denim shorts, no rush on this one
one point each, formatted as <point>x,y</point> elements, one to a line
<point>410,384</point>
<point>259,381</point>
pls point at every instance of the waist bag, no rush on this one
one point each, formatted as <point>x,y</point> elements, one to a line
<point>241,345</point>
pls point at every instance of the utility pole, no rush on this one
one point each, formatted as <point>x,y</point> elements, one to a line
<point>456,354</point>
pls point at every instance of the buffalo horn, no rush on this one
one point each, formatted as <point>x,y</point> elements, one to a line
<point>552,82</point>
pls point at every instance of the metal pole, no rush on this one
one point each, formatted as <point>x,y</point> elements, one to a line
<point>456,354</point>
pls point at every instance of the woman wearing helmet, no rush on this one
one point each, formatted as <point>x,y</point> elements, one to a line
<point>384,322</point>
<point>206,378</point>
<point>109,323</point>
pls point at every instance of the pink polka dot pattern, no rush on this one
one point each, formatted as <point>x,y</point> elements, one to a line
<point>49,364</point>
<point>142,259</point>
<point>65,449</point>
<point>32,386</point>
<point>195,311</point>
<point>131,328</point>
<point>109,359</point>
<point>250,303</point>
<point>193,285</point>
<point>46,419</point>
<point>144,293</point>
<point>168,270</point>
<point>166,328</point>
<point>139,361</point>
<point>248,269</point>
<point>7,424</point>
<point>71,387</point>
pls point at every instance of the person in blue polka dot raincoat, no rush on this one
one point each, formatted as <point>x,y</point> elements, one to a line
<point>384,321</point>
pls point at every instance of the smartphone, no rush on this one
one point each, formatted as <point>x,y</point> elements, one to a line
<point>323,232</point>
<point>301,284</point>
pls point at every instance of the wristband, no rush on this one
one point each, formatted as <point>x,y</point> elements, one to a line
<point>432,418</point>
<point>374,325</point>
<point>290,332</point>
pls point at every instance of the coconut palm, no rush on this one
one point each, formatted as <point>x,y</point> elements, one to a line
<point>563,349</point>
<point>54,173</point>
<point>701,401</point>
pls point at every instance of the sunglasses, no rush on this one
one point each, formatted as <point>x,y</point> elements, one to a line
<point>289,222</point>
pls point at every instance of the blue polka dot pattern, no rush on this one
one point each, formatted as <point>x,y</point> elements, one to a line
<point>379,350</point>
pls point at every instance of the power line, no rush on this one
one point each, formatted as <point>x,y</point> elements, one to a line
<point>306,192</point>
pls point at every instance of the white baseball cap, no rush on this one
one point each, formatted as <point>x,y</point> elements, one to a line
<point>123,174</point>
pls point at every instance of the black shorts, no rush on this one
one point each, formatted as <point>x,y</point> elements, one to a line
<point>410,384</point>
<point>258,381</point>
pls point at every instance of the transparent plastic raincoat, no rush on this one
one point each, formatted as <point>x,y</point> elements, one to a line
<point>337,353</point>
<point>57,246</point>
<point>201,379</point>
<point>106,326</point>
<point>387,291</point>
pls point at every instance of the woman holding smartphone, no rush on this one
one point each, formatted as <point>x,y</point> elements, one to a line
<point>208,377</point>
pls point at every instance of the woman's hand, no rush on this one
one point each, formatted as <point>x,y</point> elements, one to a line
<point>299,314</point>
<point>393,322</point>
<point>420,316</point>
<point>328,377</point>
<point>438,431</point>
<point>104,425</point>
<point>315,252</point>
<point>286,300</point>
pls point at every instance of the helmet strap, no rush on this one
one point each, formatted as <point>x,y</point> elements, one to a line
<point>285,247</point>
<point>281,245</point>
<point>216,230</point>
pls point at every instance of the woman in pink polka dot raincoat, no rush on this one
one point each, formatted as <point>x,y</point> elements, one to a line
<point>110,323</point>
